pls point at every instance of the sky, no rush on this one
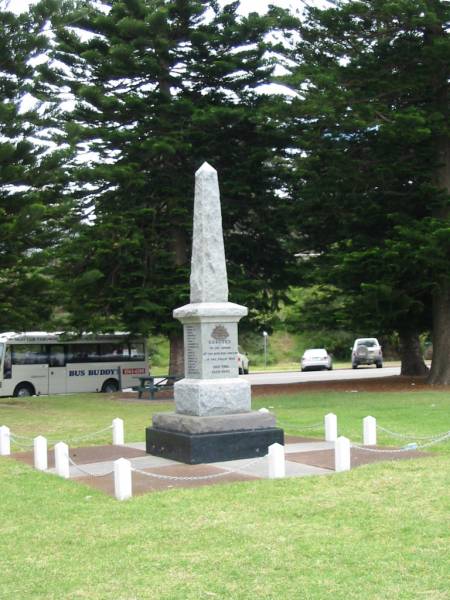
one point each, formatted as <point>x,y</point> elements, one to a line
<point>261,5</point>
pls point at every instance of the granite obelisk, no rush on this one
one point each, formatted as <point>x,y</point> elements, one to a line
<point>213,418</point>
<point>209,281</point>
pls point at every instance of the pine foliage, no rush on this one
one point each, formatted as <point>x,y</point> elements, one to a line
<point>28,181</point>
<point>159,87</point>
<point>372,120</point>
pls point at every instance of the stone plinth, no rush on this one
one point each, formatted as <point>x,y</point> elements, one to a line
<point>210,339</point>
<point>200,448</point>
<point>194,312</point>
<point>189,424</point>
<point>208,397</point>
<point>212,385</point>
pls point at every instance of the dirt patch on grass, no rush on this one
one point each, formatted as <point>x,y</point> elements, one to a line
<point>396,383</point>
<point>13,404</point>
<point>131,396</point>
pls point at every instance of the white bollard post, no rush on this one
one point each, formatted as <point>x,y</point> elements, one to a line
<point>342,454</point>
<point>118,432</point>
<point>5,441</point>
<point>122,479</point>
<point>62,460</point>
<point>40,453</point>
<point>330,424</point>
<point>369,431</point>
<point>277,467</point>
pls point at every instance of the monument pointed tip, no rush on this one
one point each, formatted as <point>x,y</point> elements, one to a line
<point>206,168</point>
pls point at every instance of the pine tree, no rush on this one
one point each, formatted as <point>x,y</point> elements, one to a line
<point>161,86</point>
<point>28,180</point>
<point>373,184</point>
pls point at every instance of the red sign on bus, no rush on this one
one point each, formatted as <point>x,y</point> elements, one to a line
<point>136,371</point>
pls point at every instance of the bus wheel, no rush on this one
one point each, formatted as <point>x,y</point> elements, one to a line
<point>110,386</point>
<point>24,389</point>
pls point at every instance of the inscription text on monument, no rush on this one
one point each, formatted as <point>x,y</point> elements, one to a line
<point>193,353</point>
<point>210,350</point>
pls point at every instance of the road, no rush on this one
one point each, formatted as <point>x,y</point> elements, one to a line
<point>335,375</point>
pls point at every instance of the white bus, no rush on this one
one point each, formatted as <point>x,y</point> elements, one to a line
<point>37,362</point>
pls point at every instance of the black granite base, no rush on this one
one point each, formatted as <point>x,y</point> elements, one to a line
<point>196,448</point>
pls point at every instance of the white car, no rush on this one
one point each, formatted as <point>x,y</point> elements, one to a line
<point>242,363</point>
<point>316,359</point>
<point>367,351</point>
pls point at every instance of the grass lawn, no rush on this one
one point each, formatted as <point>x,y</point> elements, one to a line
<point>378,532</point>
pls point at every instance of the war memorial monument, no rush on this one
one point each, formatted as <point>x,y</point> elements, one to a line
<point>213,420</point>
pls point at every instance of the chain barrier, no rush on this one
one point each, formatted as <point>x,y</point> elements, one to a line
<point>227,471</point>
<point>407,448</point>
<point>80,438</point>
<point>20,444</point>
<point>21,437</point>
<point>86,472</point>
<point>405,436</point>
<point>51,441</point>
<point>443,438</point>
<point>380,451</point>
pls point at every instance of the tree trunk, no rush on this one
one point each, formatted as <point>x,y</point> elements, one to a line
<point>178,247</point>
<point>176,362</point>
<point>176,366</point>
<point>440,366</point>
<point>411,355</point>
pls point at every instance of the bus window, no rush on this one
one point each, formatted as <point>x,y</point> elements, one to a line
<point>137,351</point>
<point>113,352</point>
<point>78,353</point>
<point>29,354</point>
<point>7,364</point>
<point>57,356</point>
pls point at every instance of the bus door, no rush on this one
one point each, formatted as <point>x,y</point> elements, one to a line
<point>57,379</point>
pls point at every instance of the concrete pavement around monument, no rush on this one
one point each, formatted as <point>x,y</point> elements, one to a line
<point>252,467</point>
<point>93,466</point>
